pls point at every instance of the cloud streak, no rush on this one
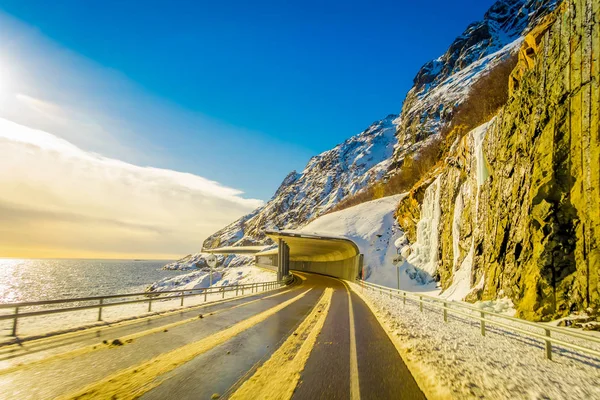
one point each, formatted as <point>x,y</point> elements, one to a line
<point>59,200</point>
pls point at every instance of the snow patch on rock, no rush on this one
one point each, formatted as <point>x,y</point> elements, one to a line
<point>198,260</point>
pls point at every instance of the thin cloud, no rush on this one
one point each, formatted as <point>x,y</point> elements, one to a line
<point>56,195</point>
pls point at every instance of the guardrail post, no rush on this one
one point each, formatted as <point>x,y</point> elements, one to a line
<point>482,323</point>
<point>14,331</point>
<point>242,290</point>
<point>223,293</point>
<point>100,310</point>
<point>182,294</point>
<point>236,290</point>
<point>205,294</point>
<point>445,313</point>
<point>150,305</point>
<point>252,288</point>
<point>390,293</point>
<point>421,303</point>
<point>404,299</point>
<point>548,346</point>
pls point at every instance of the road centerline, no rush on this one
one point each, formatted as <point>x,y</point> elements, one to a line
<point>279,375</point>
<point>354,378</point>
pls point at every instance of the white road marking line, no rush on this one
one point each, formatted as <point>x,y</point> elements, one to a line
<point>354,382</point>
<point>278,377</point>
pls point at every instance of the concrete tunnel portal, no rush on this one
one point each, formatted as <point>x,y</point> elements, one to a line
<point>328,255</point>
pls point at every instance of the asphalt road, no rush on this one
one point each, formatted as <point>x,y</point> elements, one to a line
<point>313,340</point>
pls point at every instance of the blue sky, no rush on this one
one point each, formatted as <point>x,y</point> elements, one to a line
<point>237,92</point>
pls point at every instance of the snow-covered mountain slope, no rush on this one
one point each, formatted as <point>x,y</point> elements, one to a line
<point>438,87</point>
<point>327,179</point>
<point>442,84</point>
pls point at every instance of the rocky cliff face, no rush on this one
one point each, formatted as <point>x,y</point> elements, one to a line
<point>515,209</point>
<point>443,83</point>
<point>327,178</point>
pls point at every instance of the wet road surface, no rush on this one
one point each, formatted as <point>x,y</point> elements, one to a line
<point>312,340</point>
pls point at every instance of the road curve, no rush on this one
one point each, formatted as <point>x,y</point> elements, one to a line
<point>312,340</point>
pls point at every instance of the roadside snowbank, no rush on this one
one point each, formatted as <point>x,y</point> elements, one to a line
<point>374,229</point>
<point>221,277</point>
<point>453,357</point>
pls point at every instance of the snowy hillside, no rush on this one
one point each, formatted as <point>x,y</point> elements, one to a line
<point>373,228</point>
<point>242,274</point>
<point>198,260</point>
<point>231,269</point>
<point>327,179</point>
<point>441,84</point>
<point>367,157</point>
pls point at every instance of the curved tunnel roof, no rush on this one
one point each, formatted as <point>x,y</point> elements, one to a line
<point>235,250</point>
<point>314,247</point>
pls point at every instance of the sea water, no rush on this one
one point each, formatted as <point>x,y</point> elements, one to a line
<point>44,279</point>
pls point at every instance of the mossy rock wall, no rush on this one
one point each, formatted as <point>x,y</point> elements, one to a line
<point>534,224</point>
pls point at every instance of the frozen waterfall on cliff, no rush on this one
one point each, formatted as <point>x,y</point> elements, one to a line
<point>483,171</point>
<point>425,250</point>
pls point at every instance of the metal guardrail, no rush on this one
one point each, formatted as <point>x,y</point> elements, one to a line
<point>148,297</point>
<point>466,310</point>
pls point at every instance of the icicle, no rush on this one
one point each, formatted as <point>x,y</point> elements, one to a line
<point>456,219</point>
<point>478,137</point>
<point>425,254</point>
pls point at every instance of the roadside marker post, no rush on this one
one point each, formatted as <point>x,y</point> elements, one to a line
<point>211,260</point>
